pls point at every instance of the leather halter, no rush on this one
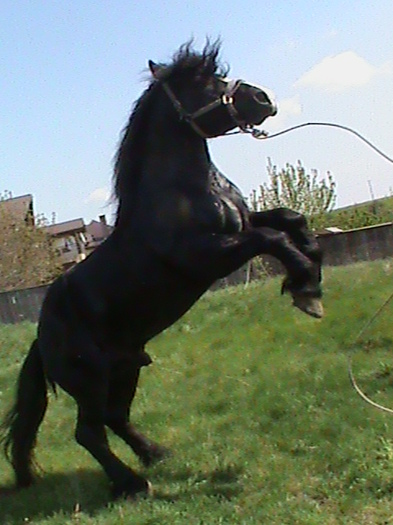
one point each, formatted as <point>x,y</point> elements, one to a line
<point>225,99</point>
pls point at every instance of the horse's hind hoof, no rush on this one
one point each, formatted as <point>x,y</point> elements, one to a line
<point>309,305</point>
<point>154,455</point>
<point>133,490</point>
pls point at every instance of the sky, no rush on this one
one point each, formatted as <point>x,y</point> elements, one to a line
<point>71,70</point>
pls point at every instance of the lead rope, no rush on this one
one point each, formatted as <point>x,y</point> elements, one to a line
<point>350,366</point>
<point>263,135</point>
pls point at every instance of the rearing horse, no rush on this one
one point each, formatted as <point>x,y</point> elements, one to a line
<point>180,226</point>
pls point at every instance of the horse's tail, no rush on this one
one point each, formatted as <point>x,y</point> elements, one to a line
<point>19,428</point>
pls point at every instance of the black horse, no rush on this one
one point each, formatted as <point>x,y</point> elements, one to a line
<point>180,226</point>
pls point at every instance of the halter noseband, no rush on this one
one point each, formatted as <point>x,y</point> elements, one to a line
<point>225,99</point>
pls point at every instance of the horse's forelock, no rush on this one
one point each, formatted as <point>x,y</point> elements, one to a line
<point>187,61</point>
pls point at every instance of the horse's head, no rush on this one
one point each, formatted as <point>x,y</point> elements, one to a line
<point>206,99</point>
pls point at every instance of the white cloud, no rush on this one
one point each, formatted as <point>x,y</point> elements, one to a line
<point>342,72</point>
<point>287,107</point>
<point>99,195</point>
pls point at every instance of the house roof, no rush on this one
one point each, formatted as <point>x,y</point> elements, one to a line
<point>67,227</point>
<point>19,207</point>
<point>98,230</point>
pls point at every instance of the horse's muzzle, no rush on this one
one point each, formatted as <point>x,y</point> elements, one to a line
<point>264,100</point>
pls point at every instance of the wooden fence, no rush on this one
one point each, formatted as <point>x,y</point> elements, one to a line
<point>21,305</point>
<point>364,244</point>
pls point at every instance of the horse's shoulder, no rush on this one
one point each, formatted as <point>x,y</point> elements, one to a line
<point>222,187</point>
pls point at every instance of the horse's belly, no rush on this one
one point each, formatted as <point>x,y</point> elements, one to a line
<point>158,311</point>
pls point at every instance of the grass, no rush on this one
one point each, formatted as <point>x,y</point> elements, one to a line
<point>254,400</point>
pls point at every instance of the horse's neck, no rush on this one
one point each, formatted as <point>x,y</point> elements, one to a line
<point>173,159</point>
<point>176,159</point>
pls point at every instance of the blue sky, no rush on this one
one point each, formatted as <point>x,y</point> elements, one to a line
<point>71,71</point>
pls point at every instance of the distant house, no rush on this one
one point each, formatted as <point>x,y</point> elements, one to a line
<point>74,240</point>
<point>69,241</point>
<point>97,232</point>
<point>20,208</point>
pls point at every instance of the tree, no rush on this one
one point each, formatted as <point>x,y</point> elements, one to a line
<point>370,213</point>
<point>27,255</point>
<point>292,187</point>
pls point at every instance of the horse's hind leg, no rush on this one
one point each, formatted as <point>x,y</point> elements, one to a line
<point>87,382</point>
<point>91,434</point>
<point>122,388</point>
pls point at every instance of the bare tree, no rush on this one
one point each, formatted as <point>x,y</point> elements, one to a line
<point>27,255</point>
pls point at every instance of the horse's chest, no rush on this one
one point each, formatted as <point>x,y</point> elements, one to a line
<point>229,216</point>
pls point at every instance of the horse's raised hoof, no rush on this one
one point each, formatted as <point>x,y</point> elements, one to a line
<point>155,454</point>
<point>309,305</point>
<point>133,490</point>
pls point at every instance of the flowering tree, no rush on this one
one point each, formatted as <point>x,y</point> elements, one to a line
<point>292,187</point>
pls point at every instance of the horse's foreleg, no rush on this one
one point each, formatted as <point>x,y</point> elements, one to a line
<point>212,256</point>
<point>304,275</point>
<point>122,389</point>
<point>295,226</point>
<point>292,223</point>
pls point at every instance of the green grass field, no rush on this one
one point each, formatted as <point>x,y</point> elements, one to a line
<point>254,400</point>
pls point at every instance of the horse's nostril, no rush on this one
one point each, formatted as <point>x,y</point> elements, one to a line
<point>262,98</point>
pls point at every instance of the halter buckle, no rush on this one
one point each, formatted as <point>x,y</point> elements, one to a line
<point>227,99</point>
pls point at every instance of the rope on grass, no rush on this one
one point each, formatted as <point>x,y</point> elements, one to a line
<point>350,367</point>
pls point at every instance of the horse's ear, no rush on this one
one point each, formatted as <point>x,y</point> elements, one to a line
<point>156,70</point>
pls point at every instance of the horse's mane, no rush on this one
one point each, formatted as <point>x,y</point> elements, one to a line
<point>186,63</point>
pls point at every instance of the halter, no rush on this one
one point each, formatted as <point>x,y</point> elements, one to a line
<point>225,99</point>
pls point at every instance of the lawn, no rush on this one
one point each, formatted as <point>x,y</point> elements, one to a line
<point>253,398</point>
